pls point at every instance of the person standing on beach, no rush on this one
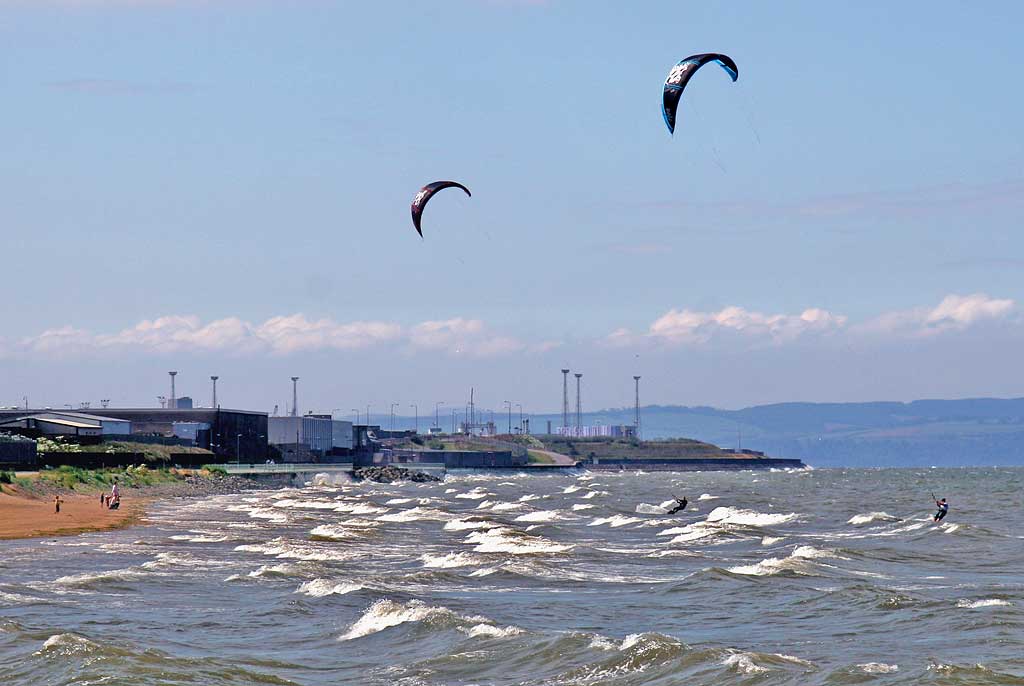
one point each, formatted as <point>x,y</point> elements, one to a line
<point>56,504</point>
<point>115,494</point>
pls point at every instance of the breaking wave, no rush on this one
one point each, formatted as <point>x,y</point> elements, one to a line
<point>737,516</point>
<point>320,588</point>
<point>384,614</point>
<point>506,540</point>
<point>872,517</point>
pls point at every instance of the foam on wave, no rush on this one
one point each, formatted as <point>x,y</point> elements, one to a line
<point>506,540</point>
<point>384,614</point>
<point>795,562</point>
<point>740,517</point>
<point>449,561</point>
<point>870,517</point>
<point>320,588</point>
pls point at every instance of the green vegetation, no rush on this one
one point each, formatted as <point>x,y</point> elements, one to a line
<point>6,477</point>
<point>539,458</point>
<point>215,469</point>
<point>72,478</point>
<point>151,452</point>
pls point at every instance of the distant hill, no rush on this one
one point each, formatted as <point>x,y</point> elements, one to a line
<point>974,431</point>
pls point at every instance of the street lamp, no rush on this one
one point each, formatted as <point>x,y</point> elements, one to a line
<point>416,409</point>
<point>437,405</point>
<point>520,406</point>
<point>367,415</point>
<point>509,403</point>
<point>393,406</point>
<point>356,413</point>
<point>238,449</point>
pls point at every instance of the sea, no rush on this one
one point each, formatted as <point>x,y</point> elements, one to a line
<point>816,576</point>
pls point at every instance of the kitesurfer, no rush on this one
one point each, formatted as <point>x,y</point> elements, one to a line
<point>943,510</point>
<point>681,505</point>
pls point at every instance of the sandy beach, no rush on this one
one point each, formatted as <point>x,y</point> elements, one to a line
<point>26,516</point>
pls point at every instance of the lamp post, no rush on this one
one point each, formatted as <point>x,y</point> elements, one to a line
<point>354,410</point>
<point>367,415</point>
<point>509,403</point>
<point>393,406</point>
<point>416,409</point>
<point>520,406</point>
<point>238,449</point>
<point>437,405</point>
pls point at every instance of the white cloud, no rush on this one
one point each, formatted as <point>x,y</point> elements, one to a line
<point>681,327</point>
<point>954,313</point>
<point>688,326</point>
<point>281,335</point>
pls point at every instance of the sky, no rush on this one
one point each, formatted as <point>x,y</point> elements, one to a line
<point>223,187</point>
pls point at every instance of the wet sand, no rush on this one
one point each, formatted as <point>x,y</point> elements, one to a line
<point>29,517</point>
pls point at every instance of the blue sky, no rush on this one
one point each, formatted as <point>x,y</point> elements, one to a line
<point>223,187</point>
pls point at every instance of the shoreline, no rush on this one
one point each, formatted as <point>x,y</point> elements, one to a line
<point>25,516</point>
<point>27,513</point>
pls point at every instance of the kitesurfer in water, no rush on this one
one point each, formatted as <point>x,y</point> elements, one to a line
<point>680,507</point>
<point>943,509</point>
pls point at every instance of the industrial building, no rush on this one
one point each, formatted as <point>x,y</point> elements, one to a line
<point>298,437</point>
<point>597,431</point>
<point>230,434</point>
<point>51,425</point>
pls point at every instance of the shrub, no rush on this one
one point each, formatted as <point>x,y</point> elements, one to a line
<point>6,477</point>
<point>215,469</point>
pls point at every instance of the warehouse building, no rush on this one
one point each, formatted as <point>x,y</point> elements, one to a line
<point>231,434</point>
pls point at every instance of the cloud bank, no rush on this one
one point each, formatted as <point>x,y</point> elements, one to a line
<point>473,338</point>
<point>689,327</point>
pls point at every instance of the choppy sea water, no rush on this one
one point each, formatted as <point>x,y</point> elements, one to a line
<point>799,577</point>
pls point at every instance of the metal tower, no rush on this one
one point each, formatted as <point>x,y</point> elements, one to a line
<point>636,413</point>
<point>214,380</point>
<point>565,398</point>
<point>295,396</point>
<point>172,402</point>
<point>579,408</point>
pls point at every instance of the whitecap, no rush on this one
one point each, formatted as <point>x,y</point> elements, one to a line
<point>504,540</point>
<point>732,515</point>
<point>707,496</point>
<point>796,562</point>
<point>284,569</point>
<point>491,631</point>
<point>582,506</point>
<point>540,516</point>
<point>67,644</point>
<point>319,588</point>
<point>869,517</point>
<point>743,663</point>
<point>448,561</point>
<point>986,602</point>
<point>615,521</point>
<point>645,508</point>
<point>384,614</point>
<point>877,668</point>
